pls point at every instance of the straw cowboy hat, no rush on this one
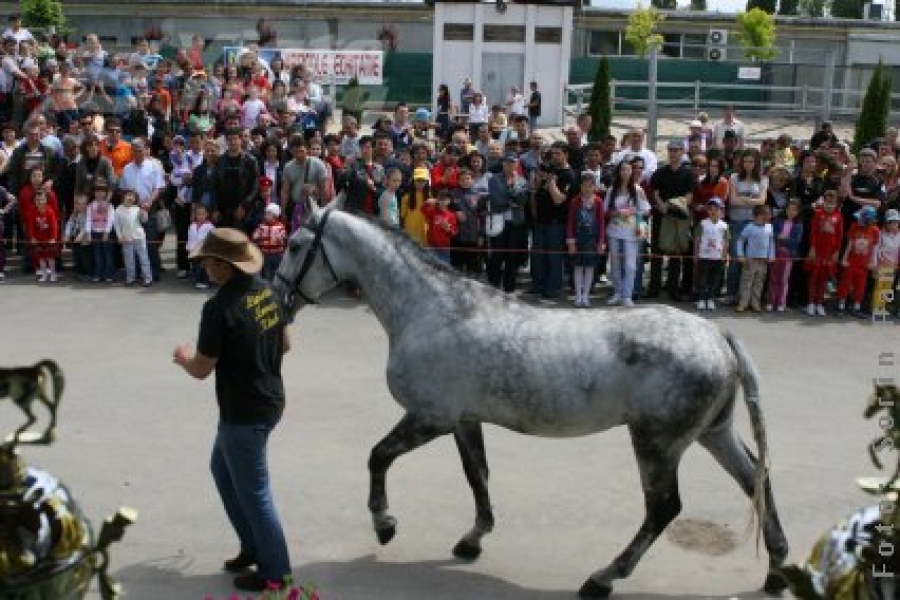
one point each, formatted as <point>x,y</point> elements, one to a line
<point>233,247</point>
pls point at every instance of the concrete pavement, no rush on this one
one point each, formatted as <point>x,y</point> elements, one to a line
<point>136,431</point>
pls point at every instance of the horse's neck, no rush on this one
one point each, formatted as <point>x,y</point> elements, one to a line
<point>395,281</point>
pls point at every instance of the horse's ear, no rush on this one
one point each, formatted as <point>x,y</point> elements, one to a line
<point>337,203</point>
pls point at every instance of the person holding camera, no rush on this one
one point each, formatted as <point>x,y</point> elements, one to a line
<point>556,183</point>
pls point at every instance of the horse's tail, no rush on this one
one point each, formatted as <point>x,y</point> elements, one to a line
<point>56,376</point>
<point>750,384</point>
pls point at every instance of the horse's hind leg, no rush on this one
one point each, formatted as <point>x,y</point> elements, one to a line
<point>411,432</point>
<point>741,465</point>
<point>658,460</point>
<point>470,442</point>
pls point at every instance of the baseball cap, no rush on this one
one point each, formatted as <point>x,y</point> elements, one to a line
<point>178,139</point>
<point>265,182</point>
<point>273,209</point>
<point>716,201</point>
<point>866,213</point>
<point>510,157</point>
<point>892,215</point>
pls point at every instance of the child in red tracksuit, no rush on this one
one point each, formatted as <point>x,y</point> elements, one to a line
<point>824,245</point>
<point>442,224</point>
<point>271,237</point>
<point>43,232</point>
<point>859,257</point>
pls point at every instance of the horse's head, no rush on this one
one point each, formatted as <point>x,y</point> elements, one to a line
<point>306,271</point>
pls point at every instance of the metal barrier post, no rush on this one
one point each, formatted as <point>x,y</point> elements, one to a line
<point>612,95</point>
<point>652,112</point>
<point>828,87</point>
<point>696,95</point>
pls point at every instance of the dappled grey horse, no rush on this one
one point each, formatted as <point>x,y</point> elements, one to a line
<point>670,377</point>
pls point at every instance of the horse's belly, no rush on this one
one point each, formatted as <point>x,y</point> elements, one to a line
<point>550,415</point>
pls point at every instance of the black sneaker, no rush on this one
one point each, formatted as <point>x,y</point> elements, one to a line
<point>239,563</point>
<point>250,582</point>
<point>840,311</point>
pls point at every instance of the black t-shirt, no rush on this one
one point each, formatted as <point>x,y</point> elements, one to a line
<point>671,183</point>
<point>862,186</point>
<point>243,326</point>
<point>547,211</point>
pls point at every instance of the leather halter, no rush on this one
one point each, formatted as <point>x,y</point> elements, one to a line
<point>294,288</point>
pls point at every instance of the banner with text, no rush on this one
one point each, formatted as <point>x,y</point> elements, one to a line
<point>325,65</point>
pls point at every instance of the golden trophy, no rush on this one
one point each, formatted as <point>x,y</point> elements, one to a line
<point>47,547</point>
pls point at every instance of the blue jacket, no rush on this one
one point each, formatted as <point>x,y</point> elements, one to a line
<point>791,244</point>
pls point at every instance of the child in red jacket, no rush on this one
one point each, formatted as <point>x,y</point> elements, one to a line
<point>859,257</point>
<point>43,232</point>
<point>271,237</point>
<point>442,224</point>
<point>824,245</point>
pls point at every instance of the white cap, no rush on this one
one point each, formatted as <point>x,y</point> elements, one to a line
<point>695,123</point>
<point>273,209</point>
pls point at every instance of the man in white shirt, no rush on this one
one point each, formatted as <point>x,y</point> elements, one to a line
<point>17,32</point>
<point>146,177</point>
<point>636,147</point>
<point>515,103</point>
<point>728,123</point>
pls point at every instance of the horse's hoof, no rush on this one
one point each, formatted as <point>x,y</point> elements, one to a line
<point>386,533</point>
<point>775,583</point>
<point>467,550</point>
<point>592,589</point>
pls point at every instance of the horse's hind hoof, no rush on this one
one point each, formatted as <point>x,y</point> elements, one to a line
<point>467,550</point>
<point>386,534</point>
<point>592,589</point>
<point>775,584</point>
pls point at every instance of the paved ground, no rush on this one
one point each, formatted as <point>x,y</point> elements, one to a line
<point>136,431</point>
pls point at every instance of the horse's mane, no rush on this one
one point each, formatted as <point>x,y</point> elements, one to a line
<point>401,238</point>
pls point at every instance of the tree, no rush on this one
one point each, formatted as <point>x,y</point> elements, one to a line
<point>813,8</point>
<point>756,33</point>
<point>789,8</point>
<point>43,13</point>
<point>601,105</point>
<point>873,115</point>
<point>664,4</point>
<point>847,9</point>
<point>700,5</point>
<point>765,5</point>
<point>641,29</point>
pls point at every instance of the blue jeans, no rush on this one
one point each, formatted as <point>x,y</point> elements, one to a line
<point>241,473</point>
<point>547,245</point>
<point>623,262</point>
<point>103,257</point>
<point>129,251</point>
<point>733,276</point>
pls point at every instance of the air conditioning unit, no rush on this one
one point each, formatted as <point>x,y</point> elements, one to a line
<point>717,44</point>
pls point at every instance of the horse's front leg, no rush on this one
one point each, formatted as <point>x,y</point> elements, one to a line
<point>470,442</point>
<point>411,432</point>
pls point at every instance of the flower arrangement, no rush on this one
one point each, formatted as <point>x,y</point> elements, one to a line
<point>284,591</point>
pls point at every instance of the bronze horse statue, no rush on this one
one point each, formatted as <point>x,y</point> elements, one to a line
<point>27,385</point>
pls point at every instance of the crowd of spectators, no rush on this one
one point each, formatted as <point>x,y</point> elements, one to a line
<point>248,145</point>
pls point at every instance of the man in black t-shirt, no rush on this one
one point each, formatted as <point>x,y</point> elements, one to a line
<point>555,185</point>
<point>670,181</point>
<point>243,337</point>
<point>865,189</point>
